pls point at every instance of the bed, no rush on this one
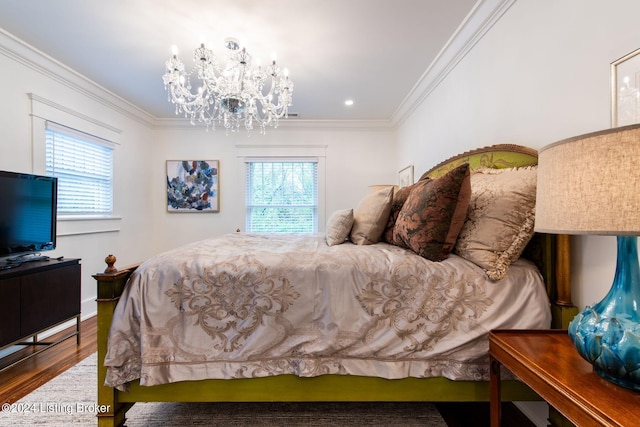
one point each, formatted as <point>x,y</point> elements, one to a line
<point>342,321</point>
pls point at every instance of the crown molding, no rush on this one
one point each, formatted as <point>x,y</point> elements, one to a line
<point>475,25</point>
<point>25,54</point>
<point>290,124</point>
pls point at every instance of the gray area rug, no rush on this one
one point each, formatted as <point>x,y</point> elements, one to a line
<point>70,399</point>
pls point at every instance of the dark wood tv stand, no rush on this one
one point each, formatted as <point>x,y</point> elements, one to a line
<point>37,296</point>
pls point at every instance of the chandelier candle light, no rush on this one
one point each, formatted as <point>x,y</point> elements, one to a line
<point>231,94</point>
<point>590,184</point>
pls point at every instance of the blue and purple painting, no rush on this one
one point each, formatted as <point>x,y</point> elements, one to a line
<point>192,186</point>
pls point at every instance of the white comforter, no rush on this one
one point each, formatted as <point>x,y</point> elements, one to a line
<point>247,305</point>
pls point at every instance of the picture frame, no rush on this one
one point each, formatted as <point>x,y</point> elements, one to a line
<point>193,186</point>
<point>405,176</point>
<point>625,90</point>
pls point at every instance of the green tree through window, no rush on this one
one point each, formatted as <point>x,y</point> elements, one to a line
<point>282,196</point>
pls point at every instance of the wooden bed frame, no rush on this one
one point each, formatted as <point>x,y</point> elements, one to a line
<point>550,252</point>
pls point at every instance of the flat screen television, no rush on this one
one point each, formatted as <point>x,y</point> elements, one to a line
<point>28,205</point>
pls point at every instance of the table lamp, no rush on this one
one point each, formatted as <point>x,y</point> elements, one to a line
<point>590,184</point>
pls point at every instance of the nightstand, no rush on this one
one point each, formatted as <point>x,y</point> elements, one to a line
<point>547,361</point>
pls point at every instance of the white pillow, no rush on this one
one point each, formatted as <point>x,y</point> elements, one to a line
<point>339,226</point>
<point>371,216</point>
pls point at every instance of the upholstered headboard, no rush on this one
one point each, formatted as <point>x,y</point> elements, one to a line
<point>496,156</point>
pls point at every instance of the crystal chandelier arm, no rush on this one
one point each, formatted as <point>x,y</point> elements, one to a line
<point>230,95</point>
<point>178,84</point>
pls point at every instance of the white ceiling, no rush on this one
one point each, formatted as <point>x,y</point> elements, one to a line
<point>372,51</point>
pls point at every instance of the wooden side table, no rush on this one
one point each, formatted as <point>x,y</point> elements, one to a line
<point>547,361</point>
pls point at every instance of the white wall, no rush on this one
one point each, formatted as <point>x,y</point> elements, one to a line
<point>354,159</point>
<point>24,72</point>
<point>541,74</point>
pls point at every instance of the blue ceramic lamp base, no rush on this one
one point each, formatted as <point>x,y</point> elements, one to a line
<point>608,334</point>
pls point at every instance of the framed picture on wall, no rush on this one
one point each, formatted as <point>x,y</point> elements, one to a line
<point>193,186</point>
<point>405,176</point>
<point>625,90</point>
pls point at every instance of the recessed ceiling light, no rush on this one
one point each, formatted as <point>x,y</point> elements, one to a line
<point>348,102</point>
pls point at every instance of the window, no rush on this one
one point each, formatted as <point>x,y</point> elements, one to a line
<point>83,165</point>
<point>282,196</point>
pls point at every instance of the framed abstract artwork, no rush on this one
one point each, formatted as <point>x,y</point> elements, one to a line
<point>193,186</point>
<point>625,90</point>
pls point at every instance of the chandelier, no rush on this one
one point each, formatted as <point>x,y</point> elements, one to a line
<point>234,94</point>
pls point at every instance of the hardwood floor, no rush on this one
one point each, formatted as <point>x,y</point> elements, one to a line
<point>24,377</point>
<point>21,379</point>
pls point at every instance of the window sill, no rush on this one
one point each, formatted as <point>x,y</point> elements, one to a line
<point>77,225</point>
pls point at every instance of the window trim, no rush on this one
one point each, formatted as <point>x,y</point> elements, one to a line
<point>286,152</point>
<point>43,110</point>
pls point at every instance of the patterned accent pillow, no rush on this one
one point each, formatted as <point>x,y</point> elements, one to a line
<point>371,216</point>
<point>399,198</point>
<point>339,226</point>
<point>500,219</point>
<point>432,216</point>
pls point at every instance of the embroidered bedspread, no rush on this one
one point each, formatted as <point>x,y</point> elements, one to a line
<point>245,305</point>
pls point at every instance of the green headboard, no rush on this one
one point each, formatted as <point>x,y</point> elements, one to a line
<point>496,156</point>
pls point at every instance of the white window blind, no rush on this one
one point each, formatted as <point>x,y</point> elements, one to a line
<point>282,196</point>
<point>83,164</point>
